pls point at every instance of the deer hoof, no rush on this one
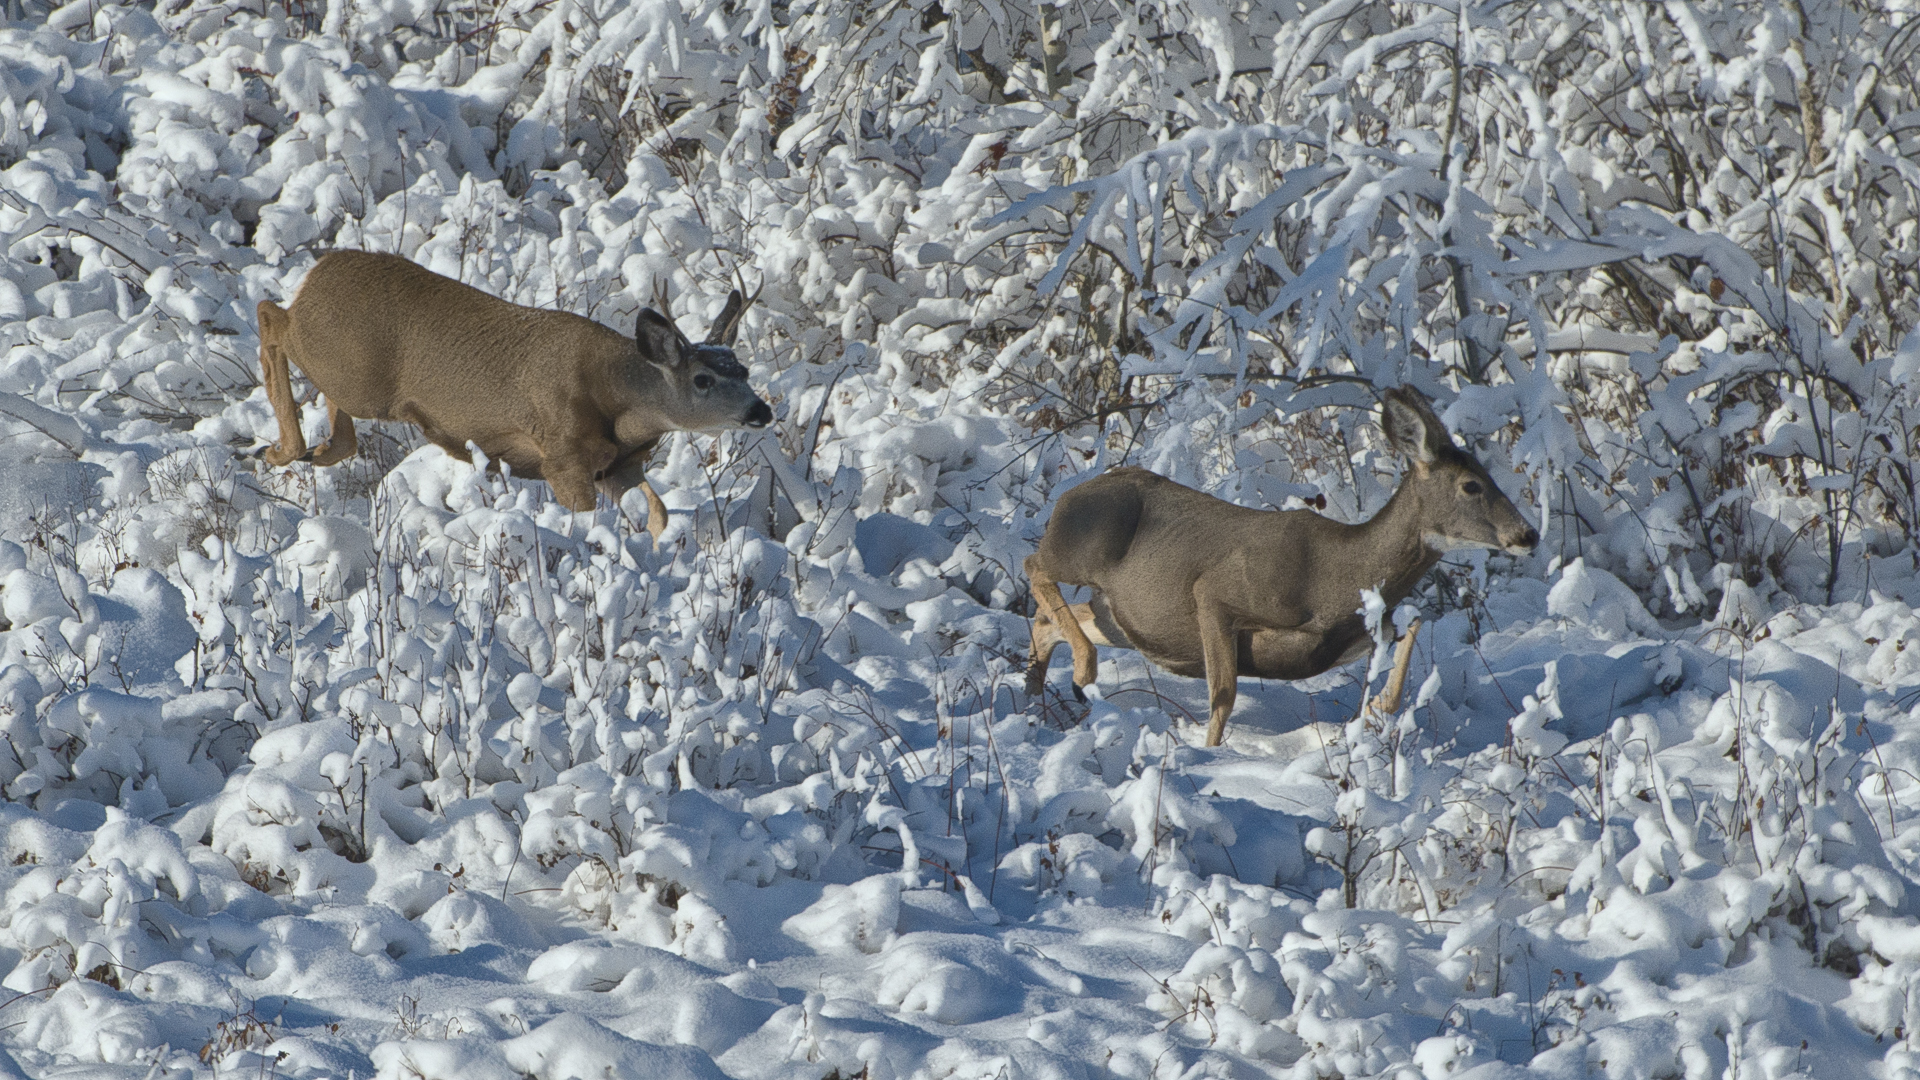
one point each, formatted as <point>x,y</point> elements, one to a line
<point>328,454</point>
<point>1079,695</point>
<point>1216,729</point>
<point>1036,679</point>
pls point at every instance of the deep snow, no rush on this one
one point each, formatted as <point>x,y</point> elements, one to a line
<point>399,769</point>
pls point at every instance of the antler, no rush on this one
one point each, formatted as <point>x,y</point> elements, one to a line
<point>727,327</point>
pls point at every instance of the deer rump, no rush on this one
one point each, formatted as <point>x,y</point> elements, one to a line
<point>1105,532</point>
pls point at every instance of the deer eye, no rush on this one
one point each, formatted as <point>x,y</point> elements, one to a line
<point>1471,487</point>
<point>703,381</point>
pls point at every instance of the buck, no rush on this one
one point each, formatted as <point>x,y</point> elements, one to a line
<point>555,395</point>
<point>1203,587</point>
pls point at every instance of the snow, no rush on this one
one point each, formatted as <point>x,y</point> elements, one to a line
<point>861,917</point>
<point>399,769</point>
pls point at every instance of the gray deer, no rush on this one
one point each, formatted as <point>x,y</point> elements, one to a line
<point>1201,586</point>
<point>553,394</point>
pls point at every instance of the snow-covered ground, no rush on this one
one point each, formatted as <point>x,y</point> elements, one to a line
<point>400,769</point>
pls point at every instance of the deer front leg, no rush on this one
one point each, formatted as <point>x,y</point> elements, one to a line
<point>1047,599</point>
<point>656,511</point>
<point>1219,651</point>
<point>571,467</point>
<point>1388,701</point>
<point>629,472</point>
<point>279,383</point>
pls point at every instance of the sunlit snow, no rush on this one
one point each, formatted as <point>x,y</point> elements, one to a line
<point>400,769</point>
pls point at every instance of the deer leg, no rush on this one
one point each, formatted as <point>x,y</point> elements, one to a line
<point>656,511</point>
<point>279,382</point>
<point>1220,652</point>
<point>1095,623</point>
<point>628,473</point>
<point>1046,638</point>
<point>572,487</point>
<point>1389,698</point>
<point>342,443</point>
<point>1046,593</point>
<point>413,414</point>
<point>570,470</point>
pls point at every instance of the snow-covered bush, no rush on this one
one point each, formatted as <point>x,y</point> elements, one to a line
<point>396,768</point>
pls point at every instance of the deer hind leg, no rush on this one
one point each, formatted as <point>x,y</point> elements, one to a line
<point>411,413</point>
<point>1061,620</point>
<point>279,382</point>
<point>1219,649</point>
<point>342,443</point>
<point>1046,638</point>
<point>1095,622</point>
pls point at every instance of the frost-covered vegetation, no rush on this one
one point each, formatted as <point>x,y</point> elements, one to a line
<point>399,769</point>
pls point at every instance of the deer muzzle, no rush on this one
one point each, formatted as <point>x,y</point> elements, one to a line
<point>759,414</point>
<point>1521,543</point>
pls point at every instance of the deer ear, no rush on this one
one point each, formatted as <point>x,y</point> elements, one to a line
<point>1412,428</point>
<point>660,341</point>
<point>726,328</point>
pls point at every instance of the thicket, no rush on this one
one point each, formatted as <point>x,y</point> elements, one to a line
<point>1656,263</point>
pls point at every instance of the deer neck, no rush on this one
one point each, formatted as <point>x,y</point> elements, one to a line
<point>1390,551</point>
<point>631,393</point>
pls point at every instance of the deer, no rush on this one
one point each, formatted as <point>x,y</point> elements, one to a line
<point>554,395</point>
<point>1201,586</point>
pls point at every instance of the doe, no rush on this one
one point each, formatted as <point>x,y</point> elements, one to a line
<point>555,395</point>
<point>1203,587</point>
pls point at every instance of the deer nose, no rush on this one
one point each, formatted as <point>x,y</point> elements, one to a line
<point>759,414</point>
<point>1525,542</point>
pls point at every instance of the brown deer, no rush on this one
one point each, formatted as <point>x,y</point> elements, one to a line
<point>554,395</point>
<point>1203,587</point>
